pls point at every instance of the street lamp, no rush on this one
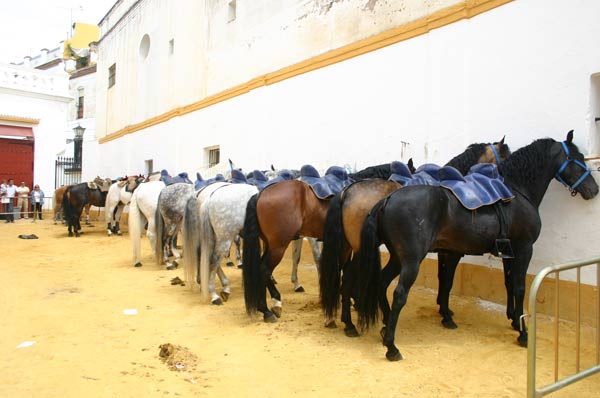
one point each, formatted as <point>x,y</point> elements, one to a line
<point>77,142</point>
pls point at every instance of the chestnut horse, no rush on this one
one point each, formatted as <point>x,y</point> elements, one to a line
<point>345,218</point>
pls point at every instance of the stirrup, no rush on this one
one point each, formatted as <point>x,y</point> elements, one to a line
<point>503,248</point>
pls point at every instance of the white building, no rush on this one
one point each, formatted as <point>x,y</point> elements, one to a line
<point>355,81</point>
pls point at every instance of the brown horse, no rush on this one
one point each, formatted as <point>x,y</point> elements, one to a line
<point>76,197</point>
<point>57,199</point>
<point>346,215</point>
<point>278,215</point>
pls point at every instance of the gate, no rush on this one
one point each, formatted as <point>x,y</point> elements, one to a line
<point>66,172</point>
<point>532,391</point>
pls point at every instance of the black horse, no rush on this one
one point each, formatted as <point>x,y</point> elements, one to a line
<point>74,200</point>
<point>419,219</point>
<point>345,216</point>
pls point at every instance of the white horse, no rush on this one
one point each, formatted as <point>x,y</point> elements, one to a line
<point>142,209</point>
<point>211,223</point>
<point>119,195</point>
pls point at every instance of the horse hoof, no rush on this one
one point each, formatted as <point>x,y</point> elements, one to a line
<point>119,233</point>
<point>299,289</point>
<point>522,340</point>
<point>230,263</point>
<point>270,318</point>
<point>217,301</point>
<point>393,356</point>
<point>138,264</point>
<point>70,234</point>
<point>175,263</point>
<point>276,311</point>
<point>225,295</point>
<point>449,324</point>
<point>330,324</point>
<point>351,332</point>
<point>171,267</point>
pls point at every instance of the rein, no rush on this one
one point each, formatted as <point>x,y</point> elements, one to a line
<point>587,172</point>
<point>498,160</point>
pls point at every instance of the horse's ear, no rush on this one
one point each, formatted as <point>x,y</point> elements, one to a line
<point>569,137</point>
<point>410,163</point>
<point>502,141</point>
<point>272,168</point>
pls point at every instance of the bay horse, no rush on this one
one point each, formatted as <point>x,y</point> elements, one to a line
<point>415,220</point>
<point>119,195</point>
<point>57,199</point>
<point>345,217</point>
<point>281,213</point>
<point>211,223</point>
<point>75,198</point>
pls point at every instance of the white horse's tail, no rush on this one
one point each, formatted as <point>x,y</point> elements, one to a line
<point>135,229</point>
<point>191,242</point>
<point>159,223</point>
<point>207,244</point>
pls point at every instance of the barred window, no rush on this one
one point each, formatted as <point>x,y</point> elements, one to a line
<point>214,156</point>
<point>112,73</point>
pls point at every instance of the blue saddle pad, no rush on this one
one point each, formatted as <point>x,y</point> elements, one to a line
<point>282,175</point>
<point>334,180</point>
<point>478,189</point>
<point>201,183</point>
<point>237,177</point>
<point>400,173</point>
<point>258,179</point>
<point>179,178</point>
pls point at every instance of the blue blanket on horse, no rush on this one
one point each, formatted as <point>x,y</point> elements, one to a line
<point>181,177</point>
<point>335,179</point>
<point>282,175</point>
<point>201,183</point>
<point>237,177</point>
<point>483,185</point>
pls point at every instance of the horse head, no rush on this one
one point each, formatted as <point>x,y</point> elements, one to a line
<point>496,152</point>
<point>571,169</point>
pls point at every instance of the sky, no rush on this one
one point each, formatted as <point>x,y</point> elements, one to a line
<point>27,26</point>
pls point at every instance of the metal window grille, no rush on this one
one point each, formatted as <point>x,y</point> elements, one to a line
<point>214,156</point>
<point>112,73</point>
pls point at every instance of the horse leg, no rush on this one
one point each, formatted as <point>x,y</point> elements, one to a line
<point>519,271</point>
<point>408,275</point>
<point>274,258</point>
<point>238,255</point>
<point>388,273</point>
<point>117,218</point>
<point>447,263</point>
<point>226,292</point>
<point>315,248</point>
<point>214,297</point>
<point>87,213</point>
<point>167,243</point>
<point>348,280</point>
<point>109,216</point>
<point>508,264</point>
<point>296,251</point>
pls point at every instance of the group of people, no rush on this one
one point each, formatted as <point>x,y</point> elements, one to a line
<point>9,192</point>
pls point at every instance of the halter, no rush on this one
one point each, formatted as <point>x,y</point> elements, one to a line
<point>498,160</point>
<point>564,166</point>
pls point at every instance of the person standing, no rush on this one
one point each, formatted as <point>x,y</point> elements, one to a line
<point>8,200</point>
<point>23,203</point>
<point>37,201</point>
<point>2,195</point>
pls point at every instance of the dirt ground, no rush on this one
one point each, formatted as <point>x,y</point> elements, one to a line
<point>68,295</point>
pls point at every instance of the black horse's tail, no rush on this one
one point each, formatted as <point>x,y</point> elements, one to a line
<point>369,269</point>
<point>67,207</point>
<point>254,289</point>
<point>332,257</point>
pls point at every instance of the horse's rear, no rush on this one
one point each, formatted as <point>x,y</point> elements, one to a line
<point>57,201</point>
<point>280,214</point>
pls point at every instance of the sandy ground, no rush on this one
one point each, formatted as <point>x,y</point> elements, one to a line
<point>68,295</point>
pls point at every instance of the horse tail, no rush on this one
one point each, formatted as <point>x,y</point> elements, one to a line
<point>332,257</point>
<point>67,208</point>
<point>369,269</point>
<point>135,229</point>
<point>207,247</point>
<point>251,269</point>
<point>191,243</point>
<point>159,223</point>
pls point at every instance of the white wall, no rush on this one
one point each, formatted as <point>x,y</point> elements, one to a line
<point>523,70</point>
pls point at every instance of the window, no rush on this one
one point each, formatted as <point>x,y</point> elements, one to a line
<point>171,46</point>
<point>80,107</point>
<point>112,75</point>
<point>214,156</point>
<point>232,11</point>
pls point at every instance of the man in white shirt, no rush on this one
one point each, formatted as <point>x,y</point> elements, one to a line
<point>8,200</point>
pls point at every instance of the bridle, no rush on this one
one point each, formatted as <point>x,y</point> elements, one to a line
<point>498,160</point>
<point>568,161</point>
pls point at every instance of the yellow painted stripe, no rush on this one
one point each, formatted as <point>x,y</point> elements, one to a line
<point>18,119</point>
<point>464,10</point>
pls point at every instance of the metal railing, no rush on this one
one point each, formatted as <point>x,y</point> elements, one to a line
<point>579,374</point>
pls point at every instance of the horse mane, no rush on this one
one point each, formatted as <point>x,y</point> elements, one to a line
<point>522,168</point>
<point>379,171</point>
<point>468,158</point>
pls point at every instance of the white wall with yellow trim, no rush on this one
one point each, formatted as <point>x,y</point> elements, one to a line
<point>524,70</point>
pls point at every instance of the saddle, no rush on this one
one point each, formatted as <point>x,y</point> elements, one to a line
<point>201,183</point>
<point>258,179</point>
<point>282,175</point>
<point>92,185</point>
<point>400,173</point>
<point>237,177</point>
<point>179,178</point>
<point>335,179</point>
